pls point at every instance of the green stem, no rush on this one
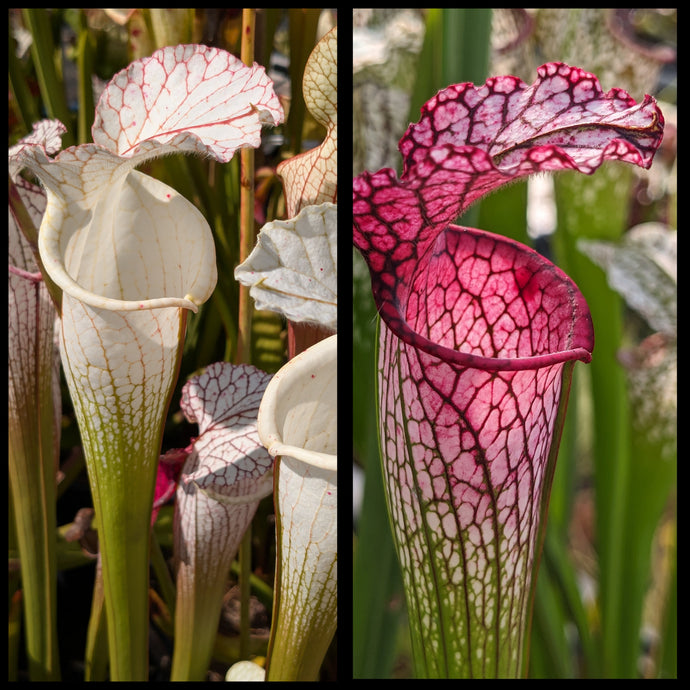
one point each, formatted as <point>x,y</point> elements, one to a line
<point>262,590</point>
<point>247,234</point>
<point>25,102</point>
<point>377,584</point>
<point>51,85</point>
<point>33,494</point>
<point>124,546</point>
<point>245,590</point>
<point>96,653</point>
<point>163,577</point>
<point>85,71</point>
<point>668,664</point>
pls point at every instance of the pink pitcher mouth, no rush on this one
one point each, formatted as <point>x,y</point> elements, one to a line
<point>484,301</point>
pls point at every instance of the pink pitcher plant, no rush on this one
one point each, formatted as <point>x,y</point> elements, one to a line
<point>477,343</point>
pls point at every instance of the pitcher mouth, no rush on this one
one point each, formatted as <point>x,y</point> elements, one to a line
<point>309,374</point>
<point>538,279</point>
<point>324,461</point>
<point>404,332</point>
<point>97,302</point>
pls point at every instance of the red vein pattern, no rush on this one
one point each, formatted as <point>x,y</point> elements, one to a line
<point>466,451</point>
<point>478,339</point>
<point>228,459</point>
<point>191,97</point>
<point>222,481</point>
<point>504,131</point>
<point>310,178</point>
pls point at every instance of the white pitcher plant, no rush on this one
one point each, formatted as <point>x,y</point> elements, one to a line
<point>132,257</point>
<point>298,424</point>
<point>34,408</point>
<point>223,480</point>
<point>292,267</point>
<point>292,270</point>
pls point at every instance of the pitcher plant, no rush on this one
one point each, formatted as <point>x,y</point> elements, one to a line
<point>477,341</point>
<point>225,476</point>
<point>293,270</point>
<point>34,407</point>
<point>131,257</point>
<point>297,423</point>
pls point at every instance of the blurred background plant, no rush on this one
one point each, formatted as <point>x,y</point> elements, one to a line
<point>59,61</point>
<point>606,594</point>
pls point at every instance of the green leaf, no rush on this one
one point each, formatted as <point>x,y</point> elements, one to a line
<point>44,53</point>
